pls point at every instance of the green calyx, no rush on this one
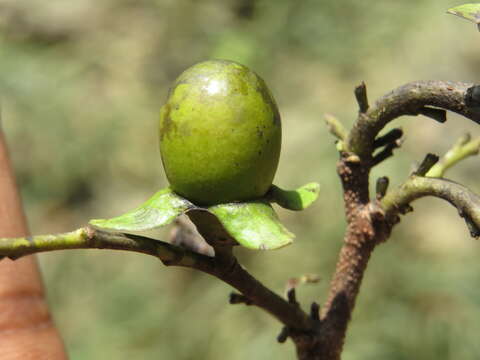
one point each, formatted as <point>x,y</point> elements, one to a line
<point>253,225</point>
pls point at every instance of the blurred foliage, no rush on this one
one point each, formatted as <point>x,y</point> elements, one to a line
<point>82,82</point>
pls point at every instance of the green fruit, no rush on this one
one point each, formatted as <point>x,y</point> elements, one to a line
<point>220,134</point>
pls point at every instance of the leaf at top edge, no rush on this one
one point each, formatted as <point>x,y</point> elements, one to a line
<point>296,200</point>
<point>160,210</point>
<point>469,12</point>
<point>254,225</point>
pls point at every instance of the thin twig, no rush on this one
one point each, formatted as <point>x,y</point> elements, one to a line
<point>426,164</point>
<point>410,99</point>
<point>92,238</point>
<point>416,187</point>
<point>335,127</point>
<point>464,148</point>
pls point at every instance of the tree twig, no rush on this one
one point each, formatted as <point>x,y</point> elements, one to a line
<point>464,148</point>
<point>92,238</point>
<point>410,99</point>
<point>335,127</point>
<point>416,187</point>
<point>222,266</point>
<point>426,164</point>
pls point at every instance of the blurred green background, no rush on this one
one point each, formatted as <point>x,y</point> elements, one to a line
<point>82,83</point>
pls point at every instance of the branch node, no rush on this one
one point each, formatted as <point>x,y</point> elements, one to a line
<point>284,334</point>
<point>315,311</point>
<point>427,163</point>
<point>361,96</point>
<point>352,159</point>
<point>382,186</point>
<point>439,115</point>
<point>236,298</point>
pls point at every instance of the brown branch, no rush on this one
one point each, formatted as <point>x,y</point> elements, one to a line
<point>231,272</point>
<point>416,187</point>
<point>411,99</point>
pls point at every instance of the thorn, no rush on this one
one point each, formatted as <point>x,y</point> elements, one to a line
<point>361,96</point>
<point>382,187</point>
<point>386,152</point>
<point>235,298</point>
<point>315,311</point>
<point>283,336</point>
<point>405,209</point>
<point>388,138</point>
<point>439,115</point>
<point>292,296</point>
<point>427,163</point>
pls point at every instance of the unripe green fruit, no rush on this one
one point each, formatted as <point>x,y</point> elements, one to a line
<point>220,134</point>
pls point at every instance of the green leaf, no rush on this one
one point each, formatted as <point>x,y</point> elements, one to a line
<point>254,225</point>
<point>298,199</point>
<point>469,12</point>
<point>160,210</point>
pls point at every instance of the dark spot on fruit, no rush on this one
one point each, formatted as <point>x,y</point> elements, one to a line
<point>166,123</point>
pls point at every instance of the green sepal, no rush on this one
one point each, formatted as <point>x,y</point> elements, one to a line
<point>254,225</point>
<point>469,12</point>
<point>296,200</point>
<point>160,210</point>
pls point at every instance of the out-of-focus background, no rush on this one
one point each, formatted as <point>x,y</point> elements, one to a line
<point>82,83</point>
